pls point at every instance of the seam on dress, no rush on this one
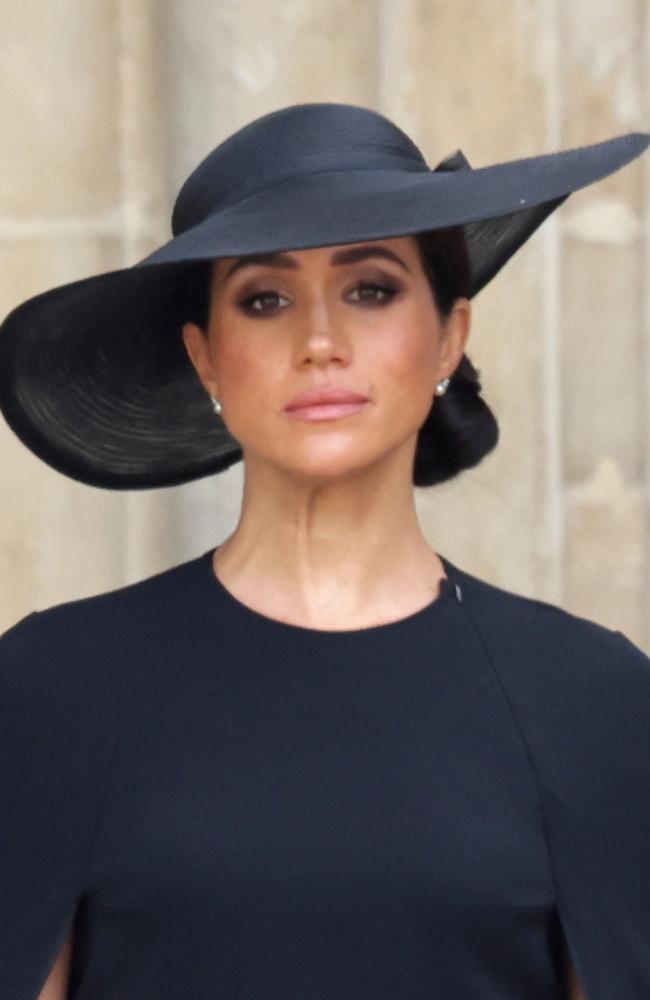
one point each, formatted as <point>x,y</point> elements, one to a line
<point>527,750</point>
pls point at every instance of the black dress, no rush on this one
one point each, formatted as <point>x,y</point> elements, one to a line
<point>229,807</point>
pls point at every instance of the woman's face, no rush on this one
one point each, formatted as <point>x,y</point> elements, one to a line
<point>360,317</point>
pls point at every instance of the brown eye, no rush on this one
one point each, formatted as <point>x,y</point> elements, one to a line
<point>262,302</point>
<point>373,293</point>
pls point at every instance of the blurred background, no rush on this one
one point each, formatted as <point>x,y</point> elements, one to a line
<point>107,105</point>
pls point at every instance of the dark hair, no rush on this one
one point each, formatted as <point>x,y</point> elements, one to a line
<point>460,428</point>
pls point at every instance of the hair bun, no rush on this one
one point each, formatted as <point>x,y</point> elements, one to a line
<point>458,432</point>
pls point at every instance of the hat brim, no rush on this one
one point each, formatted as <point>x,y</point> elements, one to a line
<point>94,376</point>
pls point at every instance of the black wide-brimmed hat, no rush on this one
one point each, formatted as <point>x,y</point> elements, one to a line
<point>94,375</point>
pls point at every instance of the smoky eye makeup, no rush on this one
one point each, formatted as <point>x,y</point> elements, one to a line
<point>375,276</point>
<point>367,274</point>
<point>368,286</point>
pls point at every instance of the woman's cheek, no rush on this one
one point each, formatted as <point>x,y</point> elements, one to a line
<point>410,358</point>
<point>239,369</point>
<point>250,379</point>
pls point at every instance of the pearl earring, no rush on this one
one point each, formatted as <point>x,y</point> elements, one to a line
<point>441,387</point>
<point>216,405</point>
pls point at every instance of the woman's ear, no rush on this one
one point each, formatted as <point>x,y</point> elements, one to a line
<point>197,347</point>
<point>455,336</point>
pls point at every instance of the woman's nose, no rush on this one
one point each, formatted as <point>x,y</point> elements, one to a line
<point>323,333</point>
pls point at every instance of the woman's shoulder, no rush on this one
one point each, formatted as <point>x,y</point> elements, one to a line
<point>561,672</point>
<point>106,613</point>
<point>93,644</point>
<point>540,626</point>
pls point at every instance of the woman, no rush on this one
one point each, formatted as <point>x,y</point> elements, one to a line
<point>318,760</point>
<point>325,343</point>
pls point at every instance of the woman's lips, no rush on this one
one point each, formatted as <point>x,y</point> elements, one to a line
<point>325,411</point>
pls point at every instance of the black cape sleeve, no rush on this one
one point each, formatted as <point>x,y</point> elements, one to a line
<point>54,747</point>
<point>582,694</point>
<point>599,826</point>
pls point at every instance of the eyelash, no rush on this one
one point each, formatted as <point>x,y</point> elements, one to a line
<point>389,291</point>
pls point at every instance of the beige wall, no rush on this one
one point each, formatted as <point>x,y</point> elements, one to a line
<point>106,106</point>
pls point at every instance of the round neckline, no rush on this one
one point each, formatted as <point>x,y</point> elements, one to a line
<point>448,592</point>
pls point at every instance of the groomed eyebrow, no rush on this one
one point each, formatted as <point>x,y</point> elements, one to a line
<point>347,256</point>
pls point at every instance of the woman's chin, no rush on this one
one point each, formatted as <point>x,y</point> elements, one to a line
<point>327,465</point>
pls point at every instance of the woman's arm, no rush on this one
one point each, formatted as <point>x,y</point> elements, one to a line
<point>575,989</point>
<point>56,984</point>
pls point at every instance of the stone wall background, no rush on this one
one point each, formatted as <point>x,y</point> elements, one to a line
<point>107,105</point>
